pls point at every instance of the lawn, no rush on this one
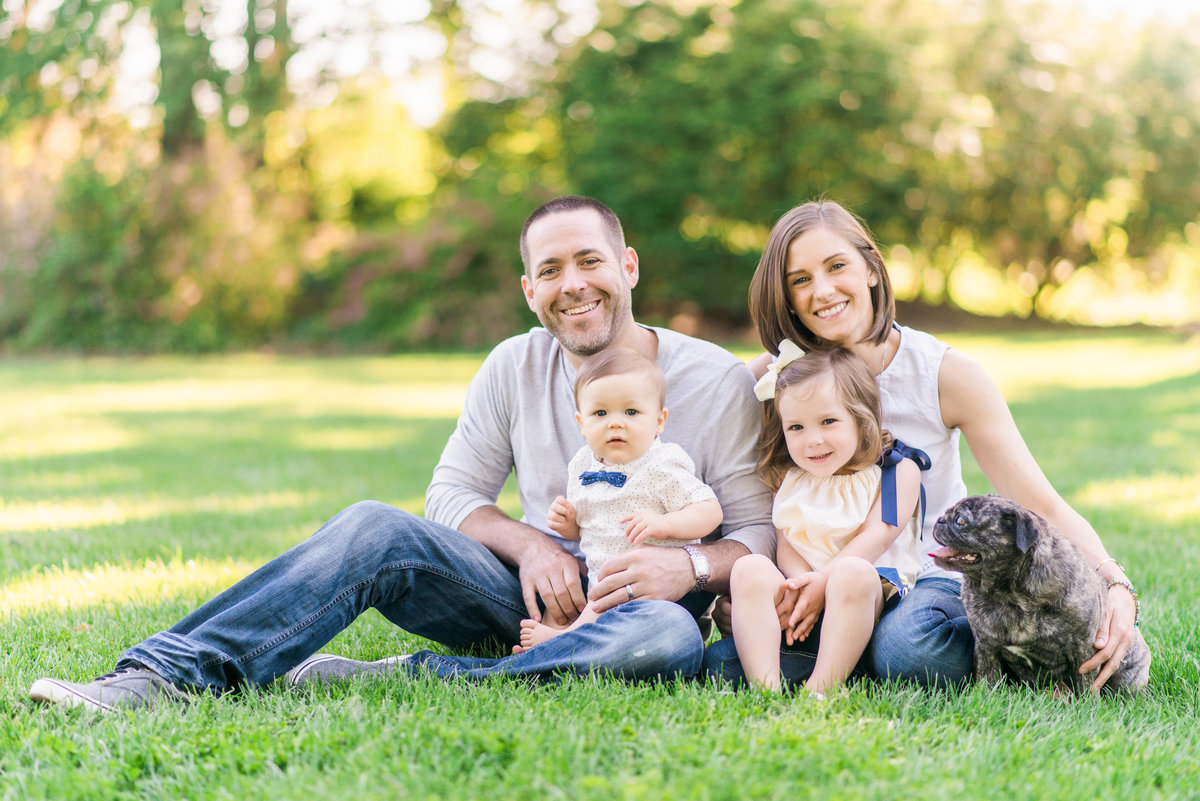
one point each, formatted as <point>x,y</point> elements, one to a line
<point>133,489</point>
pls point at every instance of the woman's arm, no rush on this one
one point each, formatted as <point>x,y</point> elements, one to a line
<point>972,403</point>
<point>758,365</point>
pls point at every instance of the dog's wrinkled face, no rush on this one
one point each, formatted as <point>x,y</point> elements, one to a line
<point>980,533</point>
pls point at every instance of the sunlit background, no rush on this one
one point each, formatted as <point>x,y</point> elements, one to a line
<point>352,174</point>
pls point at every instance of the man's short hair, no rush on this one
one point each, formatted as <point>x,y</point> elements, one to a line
<point>619,360</point>
<point>616,236</point>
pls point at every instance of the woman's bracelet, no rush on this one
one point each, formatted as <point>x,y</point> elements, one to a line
<point>1137,604</point>
<point>1106,560</point>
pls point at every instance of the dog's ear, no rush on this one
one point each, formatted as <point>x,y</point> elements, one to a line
<point>1025,531</point>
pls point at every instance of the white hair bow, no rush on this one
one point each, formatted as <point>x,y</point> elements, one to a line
<point>789,351</point>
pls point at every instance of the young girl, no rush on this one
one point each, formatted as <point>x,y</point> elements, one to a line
<point>847,533</point>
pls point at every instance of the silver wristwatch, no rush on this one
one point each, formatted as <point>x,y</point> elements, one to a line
<point>699,566</point>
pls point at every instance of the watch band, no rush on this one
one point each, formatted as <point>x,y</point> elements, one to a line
<point>699,566</point>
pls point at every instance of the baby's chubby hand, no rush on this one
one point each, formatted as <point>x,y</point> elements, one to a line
<point>561,517</point>
<point>645,524</point>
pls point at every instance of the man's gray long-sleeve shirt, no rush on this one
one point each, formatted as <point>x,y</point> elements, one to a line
<point>520,412</point>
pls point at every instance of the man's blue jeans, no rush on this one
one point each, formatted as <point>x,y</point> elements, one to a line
<point>428,579</point>
<point>923,638</point>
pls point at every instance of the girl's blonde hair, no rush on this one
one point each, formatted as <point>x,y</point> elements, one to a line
<point>770,310</point>
<point>856,389</point>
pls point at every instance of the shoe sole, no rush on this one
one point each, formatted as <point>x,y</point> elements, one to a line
<point>50,691</point>
<point>296,676</point>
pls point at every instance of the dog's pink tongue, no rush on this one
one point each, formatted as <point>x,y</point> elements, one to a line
<point>945,552</point>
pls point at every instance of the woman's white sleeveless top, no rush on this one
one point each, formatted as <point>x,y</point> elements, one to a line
<point>912,412</point>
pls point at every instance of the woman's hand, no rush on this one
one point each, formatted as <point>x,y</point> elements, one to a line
<point>1114,636</point>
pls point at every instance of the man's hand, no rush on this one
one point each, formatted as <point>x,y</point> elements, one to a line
<point>651,572</point>
<point>722,615</point>
<point>545,568</point>
<point>553,574</point>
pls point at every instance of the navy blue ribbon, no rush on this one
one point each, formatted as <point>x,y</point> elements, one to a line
<point>618,479</point>
<point>892,457</point>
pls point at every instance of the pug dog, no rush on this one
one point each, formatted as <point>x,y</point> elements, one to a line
<point>1033,602</point>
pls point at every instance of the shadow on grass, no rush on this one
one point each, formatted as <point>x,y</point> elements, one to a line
<point>238,483</point>
<point>1099,436</point>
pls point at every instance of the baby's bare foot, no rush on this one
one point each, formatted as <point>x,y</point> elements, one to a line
<point>533,633</point>
<point>517,649</point>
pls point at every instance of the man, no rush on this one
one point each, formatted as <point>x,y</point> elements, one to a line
<point>469,573</point>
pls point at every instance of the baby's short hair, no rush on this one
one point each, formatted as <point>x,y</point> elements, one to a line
<point>620,361</point>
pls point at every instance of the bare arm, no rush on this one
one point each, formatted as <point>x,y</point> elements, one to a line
<point>789,560</point>
<point>544,567</point>
<point>874,536</point>
<point>972,403</point>
<point>758,365</point>
<point>692,522</point>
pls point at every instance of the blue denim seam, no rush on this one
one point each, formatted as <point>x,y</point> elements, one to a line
<point>156,666</point>
<point>794,653</point>
<point>347,592</point>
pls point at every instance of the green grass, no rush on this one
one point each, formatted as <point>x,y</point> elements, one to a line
<point>131,490</point>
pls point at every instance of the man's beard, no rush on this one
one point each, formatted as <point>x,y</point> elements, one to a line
<point>593,340</point>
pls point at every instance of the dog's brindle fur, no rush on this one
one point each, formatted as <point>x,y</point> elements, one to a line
<point>1033,602</point>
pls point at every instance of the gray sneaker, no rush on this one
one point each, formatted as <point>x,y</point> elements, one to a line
<point>325,668</point>
<point>126,688</point>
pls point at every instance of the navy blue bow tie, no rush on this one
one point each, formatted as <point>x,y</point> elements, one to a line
<point>614,478</point>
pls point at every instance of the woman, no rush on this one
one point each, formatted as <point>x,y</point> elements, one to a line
<point>822,282</point>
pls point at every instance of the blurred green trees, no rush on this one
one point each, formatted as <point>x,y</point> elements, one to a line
<point>700,128</point>
<point>1018,159</point>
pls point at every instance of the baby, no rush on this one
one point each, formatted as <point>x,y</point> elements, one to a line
<point>625,487</point>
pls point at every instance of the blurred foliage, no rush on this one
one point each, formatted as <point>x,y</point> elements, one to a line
<point>1017,160</point>
<point>700,127</point>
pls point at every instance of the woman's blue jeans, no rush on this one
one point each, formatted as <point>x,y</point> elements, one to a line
<point>923,638</point>
<point>428,579</point>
